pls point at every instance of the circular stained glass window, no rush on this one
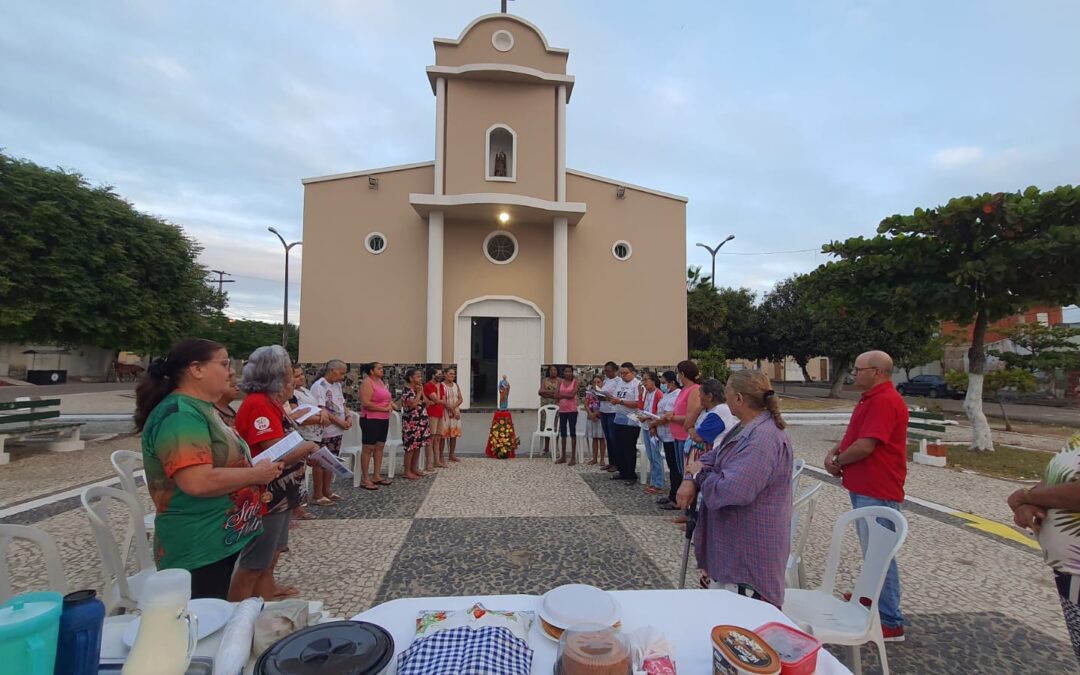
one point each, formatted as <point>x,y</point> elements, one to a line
<point>500,247</point>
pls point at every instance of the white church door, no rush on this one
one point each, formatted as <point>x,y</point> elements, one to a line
<point>520,346</point>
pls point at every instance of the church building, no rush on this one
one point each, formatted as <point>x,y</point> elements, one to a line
<point>494,257</point>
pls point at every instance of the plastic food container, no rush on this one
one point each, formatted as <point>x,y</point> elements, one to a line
<point>737,651</point>
<point>798,651</point>
<point>590,649</point>
<point>29,626</point>
<point>337,648</point>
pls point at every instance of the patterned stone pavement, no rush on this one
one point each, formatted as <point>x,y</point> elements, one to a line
<point>524,526</point>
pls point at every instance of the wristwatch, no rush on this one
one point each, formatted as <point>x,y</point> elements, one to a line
<point>689,476</point>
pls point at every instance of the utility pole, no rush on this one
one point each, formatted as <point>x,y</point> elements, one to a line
<point>221,280</point>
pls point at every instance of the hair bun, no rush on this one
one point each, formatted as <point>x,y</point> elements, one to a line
<point>768,393</point>
<point>158,369</point>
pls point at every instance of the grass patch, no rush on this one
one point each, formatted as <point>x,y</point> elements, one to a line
<point>1005,462</point>
<point>809,404</point>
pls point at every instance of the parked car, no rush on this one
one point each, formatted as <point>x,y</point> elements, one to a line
<point>933,386</point>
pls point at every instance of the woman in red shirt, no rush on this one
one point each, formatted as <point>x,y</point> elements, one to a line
<point>262,422</point>
<point>435,394</point>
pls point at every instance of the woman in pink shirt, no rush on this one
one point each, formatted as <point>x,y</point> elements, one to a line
<point>687,409</point>
<point>566,395</point>
<point>375,406</point>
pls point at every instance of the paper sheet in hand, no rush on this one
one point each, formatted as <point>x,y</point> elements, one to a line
<point>281,448</point>
<point>326,460</point>
<point>645,415</point>
<point>308,409</point>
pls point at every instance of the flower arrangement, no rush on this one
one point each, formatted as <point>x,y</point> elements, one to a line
<point>503,441</point>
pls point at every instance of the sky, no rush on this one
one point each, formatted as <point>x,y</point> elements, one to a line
<point>787,124</point>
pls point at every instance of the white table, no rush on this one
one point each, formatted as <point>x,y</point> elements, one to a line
<point>685,617</point>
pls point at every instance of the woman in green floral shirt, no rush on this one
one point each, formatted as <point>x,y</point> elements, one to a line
<point>1051,509</point>
<point>207,494</point>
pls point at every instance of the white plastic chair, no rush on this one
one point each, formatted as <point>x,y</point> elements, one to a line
<point>546,417</point>
<point>802,514</point>
<point>393,443</point>
<point>44,542</point>
<point>350,446</point>
<point>120,590</point>
<point>796,473</point>
<point>834,620</point>
<point>124,463</point>
<point>642,465</point>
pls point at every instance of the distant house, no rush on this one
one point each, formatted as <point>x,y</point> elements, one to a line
<point>956,355</point>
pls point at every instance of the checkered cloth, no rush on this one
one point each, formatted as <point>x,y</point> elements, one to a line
<point>467,651</point>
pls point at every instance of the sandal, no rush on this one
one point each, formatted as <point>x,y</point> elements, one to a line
<point>370,486</point>
<point>323,501</point>
<point>334,497</point>
<point>409,476</point>
<point>304,516</point>
<point>383,481</point>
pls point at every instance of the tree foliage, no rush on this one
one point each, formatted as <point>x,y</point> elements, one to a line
<point>243,336</point>
<point>722,318</point>
<point>712,362</point>
<point>1049,348</point>
<point>976,259</point>
<point>787,324</point>
<point>849,318</point>
<point>81,266</point>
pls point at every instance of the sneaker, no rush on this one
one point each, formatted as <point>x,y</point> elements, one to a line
<point>893,634</point>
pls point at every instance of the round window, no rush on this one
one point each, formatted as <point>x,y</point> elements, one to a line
<point>500,247</point>
<point>375,243</point>
<point>622,250</point>
<point>503,40</point>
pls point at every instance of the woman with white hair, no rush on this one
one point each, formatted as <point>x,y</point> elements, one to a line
<point>262,422</point>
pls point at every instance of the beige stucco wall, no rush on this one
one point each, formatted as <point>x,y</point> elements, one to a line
<point>651,283</point>
<point>468,274</point>
<point>476,47</point>
<point>358,306</point>
<point>472,107</point>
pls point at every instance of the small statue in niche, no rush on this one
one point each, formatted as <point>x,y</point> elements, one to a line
<point>500,163</point>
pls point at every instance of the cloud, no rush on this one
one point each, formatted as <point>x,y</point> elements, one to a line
<point>953,158</point>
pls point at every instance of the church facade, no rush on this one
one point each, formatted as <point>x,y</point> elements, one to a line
<point>494,257</point>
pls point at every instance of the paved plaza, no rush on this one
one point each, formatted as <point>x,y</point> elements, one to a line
<point>972,597</point>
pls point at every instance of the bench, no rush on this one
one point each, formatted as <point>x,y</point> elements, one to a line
<point>26,418</point>
<point>926,427</point>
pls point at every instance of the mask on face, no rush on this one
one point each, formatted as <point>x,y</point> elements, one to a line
<point>664,387</point>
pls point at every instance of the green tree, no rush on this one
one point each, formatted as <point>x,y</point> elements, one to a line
<point>787,324</point>
<point>712,362</point>
<point>931,351</point>
<point>243,336</point>
<point>975,260</point>
<point>849,319</point>
<point>1049,349</point>
<point>81,266</point>
<point>725,318</point>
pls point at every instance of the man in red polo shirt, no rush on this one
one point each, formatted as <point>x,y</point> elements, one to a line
<point>872,460</point>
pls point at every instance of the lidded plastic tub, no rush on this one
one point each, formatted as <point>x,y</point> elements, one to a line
<point>798,651</point>
<point>29,626</point>
<point>738,651</point>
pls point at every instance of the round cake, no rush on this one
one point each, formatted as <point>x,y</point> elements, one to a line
<point>598,652</point>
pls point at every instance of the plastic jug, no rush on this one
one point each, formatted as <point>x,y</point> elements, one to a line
<point>167,633</point>
<point>78,649</point>
<point>29,624</point>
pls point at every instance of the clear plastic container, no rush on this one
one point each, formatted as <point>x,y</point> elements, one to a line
<point>592,649</point>
<point>798,651</point>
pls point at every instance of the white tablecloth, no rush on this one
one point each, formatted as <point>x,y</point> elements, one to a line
<point>685,617</point>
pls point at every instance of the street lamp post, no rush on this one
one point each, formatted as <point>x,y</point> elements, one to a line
<point>711,250</point>
<point>285,316</point>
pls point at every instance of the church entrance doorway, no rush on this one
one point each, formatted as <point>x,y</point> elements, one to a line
<point>496,336</point>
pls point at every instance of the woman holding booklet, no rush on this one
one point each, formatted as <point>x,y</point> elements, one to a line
<point>263,423</point>
<point>207,493</point>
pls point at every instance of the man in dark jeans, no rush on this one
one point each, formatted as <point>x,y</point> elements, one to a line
<point>607,413</point>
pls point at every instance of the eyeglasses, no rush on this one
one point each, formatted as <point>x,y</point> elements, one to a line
<point>224,363</point>
<point>856,370</point>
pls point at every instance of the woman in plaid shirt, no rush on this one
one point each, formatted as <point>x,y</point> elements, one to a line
<point>743,534</point>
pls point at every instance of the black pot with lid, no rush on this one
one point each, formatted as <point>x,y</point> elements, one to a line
<point>334,648</point>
